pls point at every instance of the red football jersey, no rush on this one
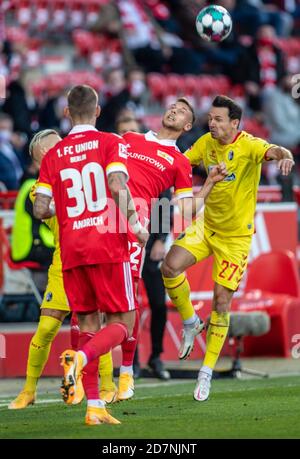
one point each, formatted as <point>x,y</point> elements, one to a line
<point>154,166</point>
<point>75,173</point>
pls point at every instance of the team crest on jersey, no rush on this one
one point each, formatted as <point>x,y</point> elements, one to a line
<point>230,155</point>
<point>213,154</point>
<point>49,296</point>
<point>230,178</point>
<point>123,151</point>
<point>165,155</point>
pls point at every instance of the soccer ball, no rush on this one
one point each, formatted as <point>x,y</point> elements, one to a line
<point>214,23</point>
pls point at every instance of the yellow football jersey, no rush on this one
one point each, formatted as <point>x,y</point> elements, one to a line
<point>52,223</point>
<point>230,207</point>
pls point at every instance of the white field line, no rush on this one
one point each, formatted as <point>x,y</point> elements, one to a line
<point>241,389</point>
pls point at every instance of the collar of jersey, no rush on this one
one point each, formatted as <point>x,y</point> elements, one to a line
<point>152,137</point>
<point>82,128</point>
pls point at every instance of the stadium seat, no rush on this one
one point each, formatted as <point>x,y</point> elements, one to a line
<point>274,272</point>
<point>272,286</point>
<point>157,86</point>
<point>175,84</point>
<point>7,199</point>
<point>1,262</point>
<point>25,266</point>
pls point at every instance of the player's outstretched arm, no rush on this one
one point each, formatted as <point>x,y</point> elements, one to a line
<point>123,199</point>
<point>191,206</point>
<point>284,158</point>
<point>42,208</point>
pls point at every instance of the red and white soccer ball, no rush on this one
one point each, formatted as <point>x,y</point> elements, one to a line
<point>214,23</point>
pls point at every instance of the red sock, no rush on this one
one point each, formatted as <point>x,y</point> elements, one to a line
<point>90,376</point>
<point>104,340</point>
<point>74,331</point>
<point>129,345</point>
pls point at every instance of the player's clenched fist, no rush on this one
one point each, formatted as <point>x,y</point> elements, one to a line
<point>141,233</point>
<point>218,172</point>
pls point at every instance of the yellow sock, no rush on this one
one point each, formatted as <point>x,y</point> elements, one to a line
<point>106,372</point>
<point>215,337</point>
<point>179,291</point>
<point>39,350</point>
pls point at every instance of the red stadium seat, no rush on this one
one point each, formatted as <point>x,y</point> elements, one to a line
<point>190,85</point>
<point>1,261</point>
<point>255,128</point>
<point>157,86</point>
<point>273,287</point>
<point>25,266</point>
<point>175,84</point>
<point>274,272</point>
<point>7,199</point>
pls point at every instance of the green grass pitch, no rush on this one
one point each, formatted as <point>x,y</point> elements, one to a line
<point>256,408</point>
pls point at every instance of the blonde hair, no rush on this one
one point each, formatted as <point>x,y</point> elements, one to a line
<point>38,137</point>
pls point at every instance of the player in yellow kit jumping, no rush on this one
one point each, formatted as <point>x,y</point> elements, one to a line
<point>227,230</point>
<point>54,307</point>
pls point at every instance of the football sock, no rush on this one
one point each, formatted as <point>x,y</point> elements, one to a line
<point>39,350</point>
<point>179,292</point>
<point>129,345</point>
<point>215,337</point>
<point>104,340</point>
<point>126,369</point>
<point>74,331</point>
<point>106,370</point>
<point>96,403</point>
<point>90,379</point>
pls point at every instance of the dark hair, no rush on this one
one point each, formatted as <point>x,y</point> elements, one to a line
<point>82,101</point>
<point>186,102</point>
<point>234,110</point>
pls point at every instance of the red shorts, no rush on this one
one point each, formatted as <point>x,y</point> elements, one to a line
<point>106,287</point>
<point>137,255</point>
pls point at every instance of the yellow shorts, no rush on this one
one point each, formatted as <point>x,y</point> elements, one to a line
<point>230,253</point>
<point>55,297</point>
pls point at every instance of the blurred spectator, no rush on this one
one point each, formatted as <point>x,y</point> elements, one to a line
<point>282,114</point>
<point>20,104</point>
<point>260,65</point>
<point>127,123</point>
<point>10,165</point>
<point>32,240</point>
<point>119,93</point>
<point>152,277</point>
<point>114,97</point>
<point>145,42</point>
<point>251,14</point>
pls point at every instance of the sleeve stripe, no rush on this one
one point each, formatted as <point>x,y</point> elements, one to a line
<point>184,190</point>
<point>116,167</point>
<point>44,189</point>
<point>184,195</point>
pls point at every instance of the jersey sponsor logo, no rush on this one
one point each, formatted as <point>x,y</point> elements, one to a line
<point>123,151</point>
<point>230,178</point>
<point>230,155</point>
<point>165,155</point>
<point>147,159</point>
